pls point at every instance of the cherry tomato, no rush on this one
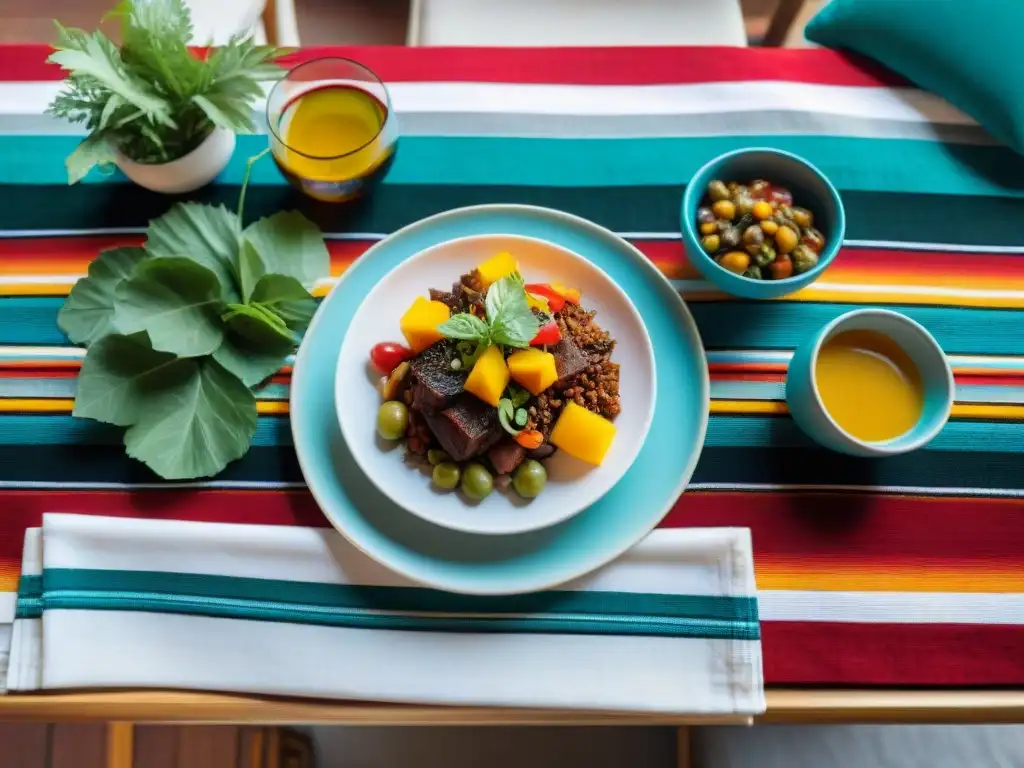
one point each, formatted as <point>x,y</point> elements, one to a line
<point>386,356</point>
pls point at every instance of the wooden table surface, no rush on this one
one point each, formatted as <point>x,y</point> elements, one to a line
<point>784,706</point>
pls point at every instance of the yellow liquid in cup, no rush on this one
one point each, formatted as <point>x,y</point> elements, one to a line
<point>335,142</point>
<point>869,385</point>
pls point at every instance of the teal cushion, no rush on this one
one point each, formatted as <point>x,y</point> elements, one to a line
<point>967,51</point>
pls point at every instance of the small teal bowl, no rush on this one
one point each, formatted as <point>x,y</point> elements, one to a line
<point>811,190</point>
<point>936,377</point>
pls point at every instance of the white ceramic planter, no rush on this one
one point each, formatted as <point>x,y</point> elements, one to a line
<point>194,170</point>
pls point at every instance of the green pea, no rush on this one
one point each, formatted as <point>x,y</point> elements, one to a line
<point>477,482</point>
<point>392,420</point>
<point>436,456</point>
<point>529,480</point>
<point>446,475</point>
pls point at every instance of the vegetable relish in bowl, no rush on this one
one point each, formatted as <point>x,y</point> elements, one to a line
<point>496,376</point>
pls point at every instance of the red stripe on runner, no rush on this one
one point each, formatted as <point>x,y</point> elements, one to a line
<point>25,509</point>
<point>885,528</point>
<point>571,66</point>
<point>840,653</point>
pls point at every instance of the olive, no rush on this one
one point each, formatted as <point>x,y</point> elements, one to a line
<point>529,480</point>
<point>769,227</point>
<point>765,256</point>
<point>753,272</point>
<point>477,482</point>
<point>786,239</point>
<point>804,259</point>
<point>709,229</point>
<point>446,475</point>
<point>760,189</point>
<point>724,209</point>
<point>781,196</point>
<point>732,186</point>
<point>813,239</point>
<point>762,210</point>
<point>735,261</point>
<point>753,237</point>
<point>784,214</point>
<point>436,456</point>
<point>781,268</point>
<point>744,204</point>
<point>803,217</point>
<point>710,243</point>
<point>392,420</point>
<point>740,190</point>
<point>730,238</point>
<point>717,191</point>
<point>704,215</point>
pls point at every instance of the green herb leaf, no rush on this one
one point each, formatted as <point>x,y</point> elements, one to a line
<point>250,268</point>
<point>512,322</point>
<point>287,298</point>
<point>195,424</point>
<point>506,413</point>
<point>464,326</point>
<point>117,373</point>
<point>94,150</point>
<point>247,361</point>
<point>291,245</point>
<point>205,234</point>
<point>176,301</point>
<point>518,395</point>
<point>88,312</point>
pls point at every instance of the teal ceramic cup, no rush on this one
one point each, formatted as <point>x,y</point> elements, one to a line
<point>811,190</point>
<point>936,377</point>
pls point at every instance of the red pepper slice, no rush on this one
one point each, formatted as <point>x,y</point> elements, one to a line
<point>555,300</point>
<point>548,334</point>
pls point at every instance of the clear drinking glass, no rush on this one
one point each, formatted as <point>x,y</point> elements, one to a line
<point>332,130</point>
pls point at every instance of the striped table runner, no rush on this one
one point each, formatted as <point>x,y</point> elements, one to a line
<point>902,571</point>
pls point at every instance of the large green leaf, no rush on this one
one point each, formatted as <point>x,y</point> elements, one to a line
<point>196,425</point>
<point>176,301</point>
<point>287,298</point>
<point>248,362</point>
<point>250,268</point>
<point>260,326</point>
<point>88,312</point>
<point>292,245</point>
<point>117,374</point>
<point>205,234</point>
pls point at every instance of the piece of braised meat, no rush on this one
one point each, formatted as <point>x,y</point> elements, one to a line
<point>506,455</point>
<point>435,385</point>
<point>570,360</point>
<point>465,429</point>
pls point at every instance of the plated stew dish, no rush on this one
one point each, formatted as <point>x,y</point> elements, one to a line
<point>496,375</point>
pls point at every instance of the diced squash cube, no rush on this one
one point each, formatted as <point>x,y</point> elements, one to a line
<point>497,267</point>
<point>533,369</point>
<point>583,434</point>
<point>419,323</point>
<point>489,376</point>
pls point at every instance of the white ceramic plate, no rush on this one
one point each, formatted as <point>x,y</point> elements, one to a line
<point>572,484</point>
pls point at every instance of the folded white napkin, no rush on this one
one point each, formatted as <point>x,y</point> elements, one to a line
<point>669,627</point>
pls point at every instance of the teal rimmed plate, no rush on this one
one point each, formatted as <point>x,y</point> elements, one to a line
<point>483,564</point>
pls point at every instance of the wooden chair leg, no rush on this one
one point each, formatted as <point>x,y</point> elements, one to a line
<point>786,13</point>
<point>683,747</point>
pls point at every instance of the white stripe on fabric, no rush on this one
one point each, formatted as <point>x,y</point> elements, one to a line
<point>8,600</point>
<point>906,104</point>
<point>674,561</point>
<point>134,649</point>
<point>892,607</point>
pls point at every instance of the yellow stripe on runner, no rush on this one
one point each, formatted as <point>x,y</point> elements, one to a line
<point>64,405</point>
<point>885,577</point>
<point>960,410</point>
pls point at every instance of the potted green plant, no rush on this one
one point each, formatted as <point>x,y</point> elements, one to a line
<point>167,115</point>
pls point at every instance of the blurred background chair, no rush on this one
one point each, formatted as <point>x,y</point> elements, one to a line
<point>576,22</point>
<point>266,20</point>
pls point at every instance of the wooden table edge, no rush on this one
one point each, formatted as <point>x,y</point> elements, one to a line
<point>784,706</point>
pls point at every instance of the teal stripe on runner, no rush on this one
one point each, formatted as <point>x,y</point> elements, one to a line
<point>375,607</point>
<point>723,430</point>
<point>30,586</point>
<point>29,608</point>
<point>889,165</point>
<point>723,324</point>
